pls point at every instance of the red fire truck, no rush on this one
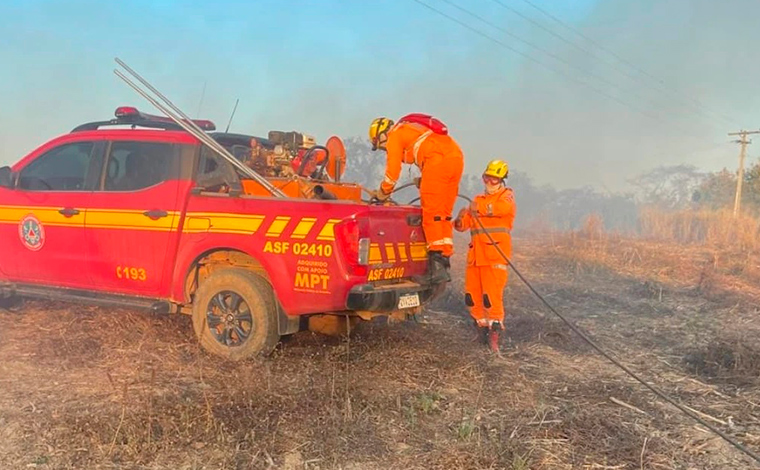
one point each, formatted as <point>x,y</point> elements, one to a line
<point>137,212</point>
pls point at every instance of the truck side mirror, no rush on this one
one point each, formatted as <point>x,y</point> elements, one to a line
<point>6,177</point>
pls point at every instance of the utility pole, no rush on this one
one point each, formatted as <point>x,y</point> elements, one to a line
<point>740,177</point>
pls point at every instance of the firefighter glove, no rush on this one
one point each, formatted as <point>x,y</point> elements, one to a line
<point>380,195</point>
<point>458,220</point>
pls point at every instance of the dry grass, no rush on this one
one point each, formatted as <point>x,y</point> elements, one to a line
<point>91,388</point>
<point>703,227</point>
<point>711,251</point>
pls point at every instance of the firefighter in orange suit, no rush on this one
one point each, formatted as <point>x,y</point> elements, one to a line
<point>486,274</point>
<point>415,139</point>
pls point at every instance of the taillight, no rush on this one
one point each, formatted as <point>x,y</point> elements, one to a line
<point>352,236</point>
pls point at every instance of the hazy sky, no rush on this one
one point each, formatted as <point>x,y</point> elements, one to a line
<point>329,67</point>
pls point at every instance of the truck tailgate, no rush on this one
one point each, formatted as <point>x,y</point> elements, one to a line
<point>398,249</point>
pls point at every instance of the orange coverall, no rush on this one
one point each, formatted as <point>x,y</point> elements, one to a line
<point>441,164</point>
<point>486,274</point>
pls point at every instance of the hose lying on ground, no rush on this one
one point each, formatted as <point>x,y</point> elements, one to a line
<point>606,355</point>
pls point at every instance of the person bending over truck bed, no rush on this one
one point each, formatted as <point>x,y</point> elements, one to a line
<point>423,140</point>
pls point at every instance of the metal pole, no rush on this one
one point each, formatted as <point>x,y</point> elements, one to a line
<point>740,173</point>
<point>187,123</point>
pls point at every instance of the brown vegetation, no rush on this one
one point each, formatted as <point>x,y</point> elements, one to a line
<point>91,388</point>
<point>718,229</point>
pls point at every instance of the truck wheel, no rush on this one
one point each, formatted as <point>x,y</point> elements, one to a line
<point>235,314</point>
<point>7,303</point>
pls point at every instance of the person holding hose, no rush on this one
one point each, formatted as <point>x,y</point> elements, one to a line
<point>423,140</point>
<point>486,274</point>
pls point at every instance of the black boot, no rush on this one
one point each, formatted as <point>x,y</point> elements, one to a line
<point>438,267</point>
<point>481,333</point>
<point>484,331</point>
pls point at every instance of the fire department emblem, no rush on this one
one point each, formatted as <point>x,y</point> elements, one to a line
<point>31,232</point>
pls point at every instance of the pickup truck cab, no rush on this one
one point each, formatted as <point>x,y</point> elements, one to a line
<point>148,217</point>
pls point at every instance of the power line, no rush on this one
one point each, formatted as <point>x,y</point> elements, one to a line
<point>544,64</point>
<point>560,37</point>
<point>694,105</point>
<point>660,82</point>
<point>534,46</point>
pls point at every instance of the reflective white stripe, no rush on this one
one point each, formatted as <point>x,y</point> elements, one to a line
<point>478,231</point>
<point>389,180</point>
<point>500,266</point>
<point>442,241</point>
<point>417,144</point>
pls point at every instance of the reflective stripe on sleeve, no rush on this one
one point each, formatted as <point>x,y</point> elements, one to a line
<point>478,231</point>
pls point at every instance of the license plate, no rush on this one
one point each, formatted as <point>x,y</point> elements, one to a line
<point>409,301</point>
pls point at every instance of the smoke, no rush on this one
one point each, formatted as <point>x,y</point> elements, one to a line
<point>331,69</point>
<point>691,84</point>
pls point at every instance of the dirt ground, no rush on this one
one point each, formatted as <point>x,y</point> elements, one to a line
<point>84,388</point>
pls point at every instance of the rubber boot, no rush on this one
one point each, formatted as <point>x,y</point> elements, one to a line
<point>438,267</point>
<point>493,337</point>
<point>484,334</point>
<point>481,333</point>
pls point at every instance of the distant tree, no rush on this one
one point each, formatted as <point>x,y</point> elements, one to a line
<point>367,168</point>
<point>670,187</point>
<point>363,166</point>
<point>571,207</point>
<point>717,190</point>
<point>751,191</point>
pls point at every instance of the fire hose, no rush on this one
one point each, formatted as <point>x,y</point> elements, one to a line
<point>605,354</point>
<point>374,200</point>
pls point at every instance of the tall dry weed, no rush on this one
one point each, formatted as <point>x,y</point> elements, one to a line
<point>702,227</point>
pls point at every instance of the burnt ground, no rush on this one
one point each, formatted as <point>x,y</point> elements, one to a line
<point>84,387</point>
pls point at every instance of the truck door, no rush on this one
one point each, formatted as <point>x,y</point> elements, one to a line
<point>132,218</point>
<point>42,218</point>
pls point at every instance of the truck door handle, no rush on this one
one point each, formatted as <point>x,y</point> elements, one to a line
<point>68,212</point>
<point>155,214</point>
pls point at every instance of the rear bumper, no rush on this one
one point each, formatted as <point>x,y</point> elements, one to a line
<point>372,298</point>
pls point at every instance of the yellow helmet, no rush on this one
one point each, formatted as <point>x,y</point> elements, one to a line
<point>497,169</point>
<point>379,127</point>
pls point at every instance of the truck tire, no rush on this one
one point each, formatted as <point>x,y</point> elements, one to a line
<point>235,315</point>
<point>7,303</point>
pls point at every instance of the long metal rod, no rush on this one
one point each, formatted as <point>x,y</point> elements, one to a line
<point>155,91</point>
<point>187,124</point>
<point>199,133</point>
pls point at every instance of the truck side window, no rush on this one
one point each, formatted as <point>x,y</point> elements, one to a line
<point>63,168</point>
<point>132,166</point>
<point>214,173</point>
